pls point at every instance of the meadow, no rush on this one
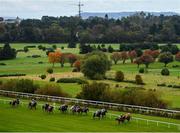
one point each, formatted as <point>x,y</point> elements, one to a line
<point>31,67</point>
<point>21,119</point>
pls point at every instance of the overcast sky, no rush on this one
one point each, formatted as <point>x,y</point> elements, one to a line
<point>38,8</point>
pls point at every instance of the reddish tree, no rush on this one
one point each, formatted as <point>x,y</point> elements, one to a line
<point>77,65</point>
<point>147,59</point>
<point>116,56</point>
<point>124,56</point>
<point>149,52</point>
<point>155,53</point>
<point>132,55</point>
<point>72,58</point>
<point>138,61</point>
<point>177,57</point>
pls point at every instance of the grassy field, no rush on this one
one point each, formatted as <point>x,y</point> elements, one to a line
<point>22,119</point>
<point>31,67</point>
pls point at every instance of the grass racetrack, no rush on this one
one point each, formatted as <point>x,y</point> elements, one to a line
<point>22,119</point>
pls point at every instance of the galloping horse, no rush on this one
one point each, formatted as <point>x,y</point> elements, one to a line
<point>100,113</point>
<point>15,102</point>
<point>122,118</point>
<point>63,108</point>
<point>32,104</point>
<point>48,108</point>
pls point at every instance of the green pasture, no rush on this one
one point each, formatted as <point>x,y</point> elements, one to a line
<point>21,119</point>
<point>31,67</point>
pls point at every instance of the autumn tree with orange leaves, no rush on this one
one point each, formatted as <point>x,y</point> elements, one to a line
<point>54,57</point>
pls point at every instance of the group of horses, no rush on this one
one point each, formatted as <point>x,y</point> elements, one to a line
<point>101,113</point>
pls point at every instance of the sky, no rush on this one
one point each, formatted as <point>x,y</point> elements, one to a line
<point>39,8</point>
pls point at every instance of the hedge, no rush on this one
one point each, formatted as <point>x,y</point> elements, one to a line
<point>9,75</point>
<point>72,80</point>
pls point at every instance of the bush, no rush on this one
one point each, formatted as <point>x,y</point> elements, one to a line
<point>72,80</point>
<point>62,47</point>
<point>43,76</point>
<point>176,86</point>
<point>22,85</point>
<point>93,91</point>
<point>139,80</point>
<point>36,56</point>
<point>26,49</point>
<point>2,64</point>
<point>9,75</point>
<point>52,79</point>
<point>141,70</point>
<point>40,62</point>
<point>165,72</point>
<point>52,90</point>
<point>40,47</point>
<point>119,76</point>
<point>54,46</point>
<point>49,70</point>
<point>163,84</point>
<point>31,46</point>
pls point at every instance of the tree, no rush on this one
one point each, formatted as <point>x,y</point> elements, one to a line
<point>166,58</point>
<point>146,59</point>
<point>54,57</point>
<point>50,70</point>
<point>174,49</point>
<point>132,55</point>
<point>139,52</point>
<point>124,56</point>
<point>110,49</point>
<point>177,57</point>
<point>138,61</point>
<point>95,65</point>
<point>62,59</point>
<point>155,53</point>
<point>72,58</point>
<point>7,52</point>
<point>116,56</point>
<point>77,65</point>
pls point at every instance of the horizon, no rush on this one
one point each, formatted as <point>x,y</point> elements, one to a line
<point>57,8</point>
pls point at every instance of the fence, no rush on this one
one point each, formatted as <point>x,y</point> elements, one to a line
<point>137,119</point>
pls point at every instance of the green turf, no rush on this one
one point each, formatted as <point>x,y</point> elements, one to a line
<point>22,119</point>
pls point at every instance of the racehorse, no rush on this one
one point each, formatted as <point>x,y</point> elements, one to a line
<point>48,108</point>
<point>79,110</point>
<point>122,118</point>
<point>63,108</point>
<point>15,102</point>
<point>32,104</point>
<point>100,113</point>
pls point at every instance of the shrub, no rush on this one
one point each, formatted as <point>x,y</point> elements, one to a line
<point>93,91</point>
<point>54,46</point>
<point>40,47</point>
<point>119,76</point>
<point>139,80</point>
<point>163,84</point>
<point>26,49</point>
<point>43,76</point>
<point>72,80</point>
<point>49,70</point>
<point>141,70</point>
<point>40,62</point>
<point>9,75</point>
<point>176,86</point>
<point>2,64</point>
<point>52,90</point>
<point>165,72</point>
<point>62,47</point>
<point>22,85</point>
<point>52,79</point>
<point>36,56</point>
<point>7,52</point>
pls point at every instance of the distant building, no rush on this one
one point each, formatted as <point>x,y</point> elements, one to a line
<point>17,21</point>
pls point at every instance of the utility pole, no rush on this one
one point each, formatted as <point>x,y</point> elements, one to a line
<point>80,11</point>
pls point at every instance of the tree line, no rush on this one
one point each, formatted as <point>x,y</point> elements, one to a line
<point>140,27</point>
